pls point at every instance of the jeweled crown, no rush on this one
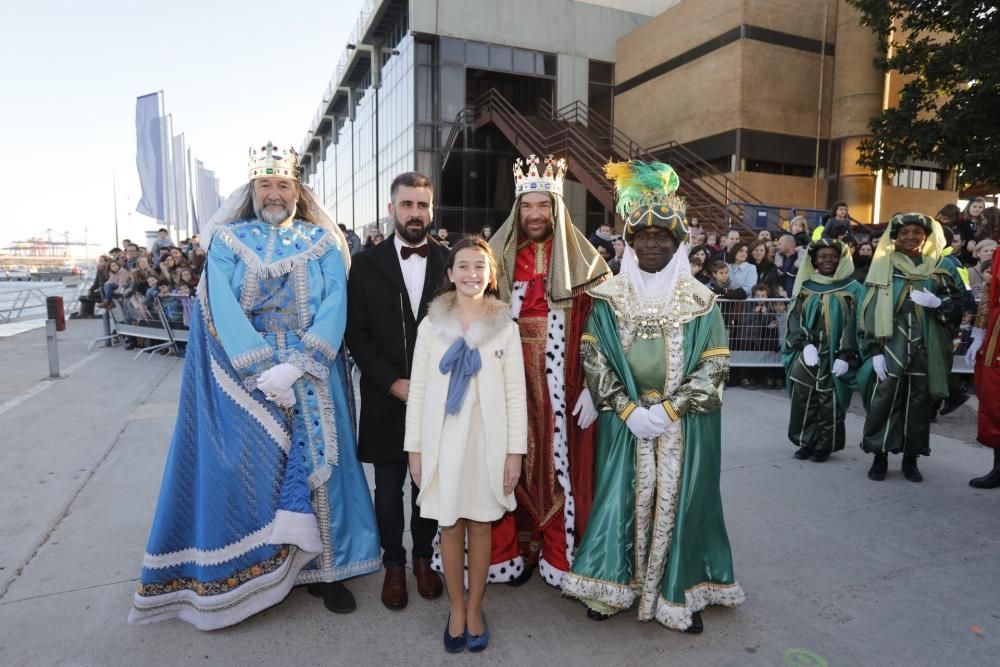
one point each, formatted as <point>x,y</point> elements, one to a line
<point>269,161</point>
<point>550,180</point>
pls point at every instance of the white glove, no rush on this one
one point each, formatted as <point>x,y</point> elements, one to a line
<point>978,336</point>
<point>878,364</point>
<point>925,298</point>
<point>278,380</point>
<point>585,412</point>
<point>644,424</point>
<point>284,400</point>
<point>840,367</point>
<point>810,355</point>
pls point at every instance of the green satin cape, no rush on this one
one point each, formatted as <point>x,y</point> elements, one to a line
<point>811,300</point>
<point>699,553</point>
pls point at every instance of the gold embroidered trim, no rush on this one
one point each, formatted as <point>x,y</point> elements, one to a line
<point>670,410</point>
<point>715,352</point>
<point>627,410</point>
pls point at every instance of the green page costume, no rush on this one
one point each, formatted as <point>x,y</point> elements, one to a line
<point>916,341</point>
<point>823,313</point>
<point>656,534</point>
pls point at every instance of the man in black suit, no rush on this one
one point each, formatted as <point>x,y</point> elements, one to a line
<point>388,291</point>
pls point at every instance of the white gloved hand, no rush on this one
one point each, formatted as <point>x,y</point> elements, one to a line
<point>585,412</point>
<point>840,367</point>
<point>810,355</point>
<point>878,364</point>
<point>925,298</point>
<point>644,424</point>
<point>978,336</point>
<point>285,399</point>
<point>278,380</point>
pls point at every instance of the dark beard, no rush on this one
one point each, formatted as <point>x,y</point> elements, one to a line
<point>411,236</point>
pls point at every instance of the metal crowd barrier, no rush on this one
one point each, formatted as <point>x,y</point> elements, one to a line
<point>756,329</point>
<point>166,319</point>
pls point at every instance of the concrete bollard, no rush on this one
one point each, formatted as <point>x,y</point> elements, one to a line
<point>53,345</point>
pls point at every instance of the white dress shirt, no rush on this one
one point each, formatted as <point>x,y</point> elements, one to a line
<point>414,268</point>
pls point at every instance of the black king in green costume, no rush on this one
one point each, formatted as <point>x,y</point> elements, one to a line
<point>820,350</point>
<point>912,305</point>
<point>655,351</point>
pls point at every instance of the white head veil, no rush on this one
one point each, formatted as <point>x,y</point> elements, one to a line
<point>230,211</point>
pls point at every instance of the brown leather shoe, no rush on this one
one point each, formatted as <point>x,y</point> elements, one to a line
<point>428,581</point>
<point>394,587</point>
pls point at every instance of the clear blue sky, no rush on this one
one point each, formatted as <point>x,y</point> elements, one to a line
<point>233,74</point>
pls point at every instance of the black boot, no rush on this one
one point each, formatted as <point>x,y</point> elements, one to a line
<point>879,467</point>
<point>819,457</point>
<point>910,469</point>
<point>595,615</point>
<point>990,480</point>
<point>522,578</point>
<point>803,453</point>
<point>696,627</point>
<point>335,596</point>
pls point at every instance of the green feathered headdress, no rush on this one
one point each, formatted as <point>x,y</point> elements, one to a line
<point>646,197</point>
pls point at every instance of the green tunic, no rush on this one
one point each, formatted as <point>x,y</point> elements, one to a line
<point>826,317</point>
<point>656,535</point>
<point>918,358</point>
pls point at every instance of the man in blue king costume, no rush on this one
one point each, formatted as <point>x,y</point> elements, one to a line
<point>655,356</point>
<point>262,489</point>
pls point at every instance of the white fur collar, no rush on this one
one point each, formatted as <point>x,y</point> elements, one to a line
<point>444,319</point>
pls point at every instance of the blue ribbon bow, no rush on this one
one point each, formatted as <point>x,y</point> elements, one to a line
<point>463,363</point>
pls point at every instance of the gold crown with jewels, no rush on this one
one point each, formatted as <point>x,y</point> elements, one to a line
<point>550,180</point>
<point>269,161</point>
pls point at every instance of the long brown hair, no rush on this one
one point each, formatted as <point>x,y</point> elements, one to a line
<point>475,243</point>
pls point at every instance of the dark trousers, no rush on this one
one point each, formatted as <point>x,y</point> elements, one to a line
<point>389,480</point>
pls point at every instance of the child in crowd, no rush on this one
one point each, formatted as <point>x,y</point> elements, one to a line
<point>761,334</point>
<point>721,285</point>
<point>799,228</point>
<point>465,452</point>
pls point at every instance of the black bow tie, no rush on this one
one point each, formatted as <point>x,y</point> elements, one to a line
<point>406,251</point>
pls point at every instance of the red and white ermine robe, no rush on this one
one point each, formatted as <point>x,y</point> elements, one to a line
<point>556,488</point>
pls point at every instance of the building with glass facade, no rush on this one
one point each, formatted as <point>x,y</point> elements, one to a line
<point>396,100</point>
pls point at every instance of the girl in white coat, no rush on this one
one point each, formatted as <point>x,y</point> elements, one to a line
<point>466,427</point>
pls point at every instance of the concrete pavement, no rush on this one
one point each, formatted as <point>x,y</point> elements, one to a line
<point>839,570</point>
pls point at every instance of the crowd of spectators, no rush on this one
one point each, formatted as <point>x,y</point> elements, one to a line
<point>139,274</point>
<point>736,266</point>
<point>761,270</point>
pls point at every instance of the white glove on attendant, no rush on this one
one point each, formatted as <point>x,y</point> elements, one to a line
<point>644,424</point>
<point>810,355</point>
<point>925,298</point>
<point>284,400</point>
<point>278,380</point>
<point>585,412</point>
<point>878,364</point>
<point>840,367</point>
<point>978,336</point>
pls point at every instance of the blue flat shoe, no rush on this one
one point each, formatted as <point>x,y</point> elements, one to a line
<point>453,644</point>
<point>477,643</point>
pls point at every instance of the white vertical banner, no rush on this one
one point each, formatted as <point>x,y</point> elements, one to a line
<point>208,192</point>
<point>180,190</point>
<point>192,213</point>
<point>149,155</point>
<point>169,203</point>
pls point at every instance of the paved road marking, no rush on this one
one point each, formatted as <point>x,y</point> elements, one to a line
<point>45,384</point>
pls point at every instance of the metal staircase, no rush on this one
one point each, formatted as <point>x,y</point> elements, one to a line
<point>588,141</point>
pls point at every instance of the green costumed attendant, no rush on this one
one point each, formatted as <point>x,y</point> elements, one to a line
<point>912,305</point>
<point>655,359</point>
<point>820,349</point>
